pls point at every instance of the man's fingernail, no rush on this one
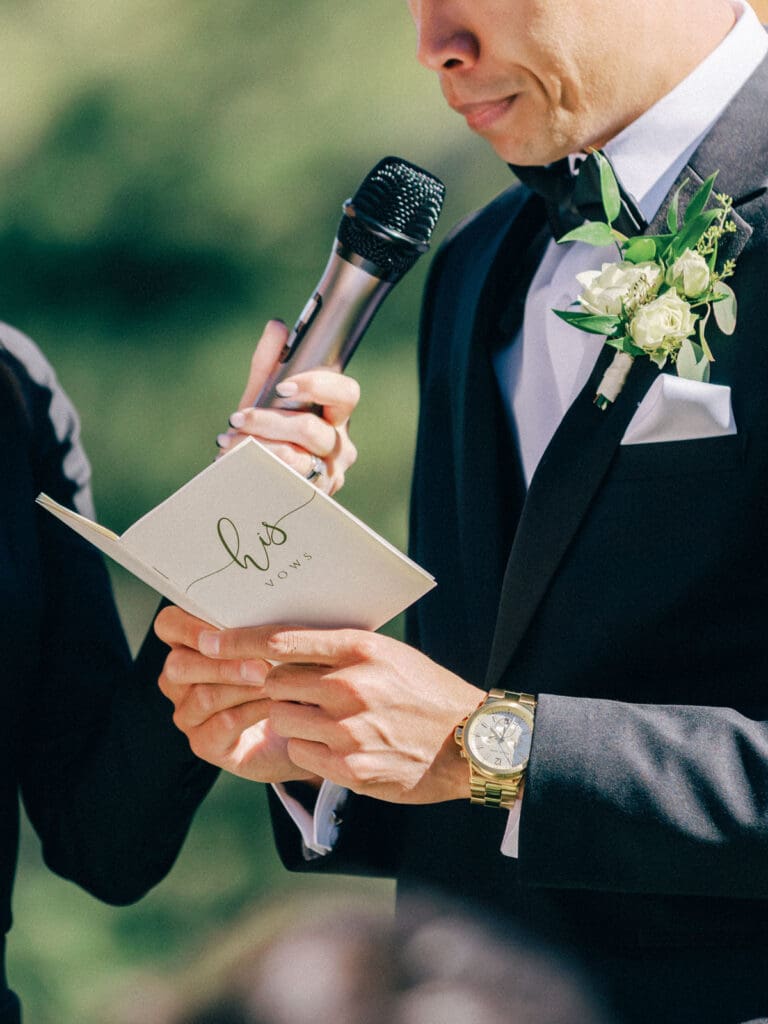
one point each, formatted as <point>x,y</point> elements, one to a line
<point>253,671</point>
<point>286,388</point>
<point>237,420</point>
<point>223,440</point>
<point>209,643</point>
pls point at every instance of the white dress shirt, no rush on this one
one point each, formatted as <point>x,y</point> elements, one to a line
<point>548,363</point>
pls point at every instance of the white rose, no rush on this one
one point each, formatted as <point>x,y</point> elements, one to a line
<point>618,286</point>
<point>660,327</point>
<point>689,274</point>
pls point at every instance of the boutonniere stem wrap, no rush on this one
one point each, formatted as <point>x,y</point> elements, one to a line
<point>656,300</point>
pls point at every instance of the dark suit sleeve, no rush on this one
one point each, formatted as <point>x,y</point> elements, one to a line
<point>646,798</point>
<point>109,784</point>
<point>368,841</point>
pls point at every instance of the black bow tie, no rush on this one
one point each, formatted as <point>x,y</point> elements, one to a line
<point>573,198</point>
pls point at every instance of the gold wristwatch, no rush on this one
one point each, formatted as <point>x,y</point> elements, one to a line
<point>496,740</point>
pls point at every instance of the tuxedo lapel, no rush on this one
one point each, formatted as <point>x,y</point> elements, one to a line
<point>580,453</point>
<point>489,477</point>
<point>565,482</point>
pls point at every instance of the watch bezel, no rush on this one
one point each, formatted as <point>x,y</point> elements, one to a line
<point>493,707</point>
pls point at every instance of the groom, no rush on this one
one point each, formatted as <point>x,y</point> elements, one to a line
<point>603,572</point>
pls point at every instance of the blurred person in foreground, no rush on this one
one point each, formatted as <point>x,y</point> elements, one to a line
<point>433,964</point>
<point>602,572</point>
<point>87,739</point>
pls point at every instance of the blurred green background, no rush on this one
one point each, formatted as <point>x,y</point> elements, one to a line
<point>171,176</point>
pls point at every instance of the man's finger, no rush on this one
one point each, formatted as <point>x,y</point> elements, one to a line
<point>318,685</point>
<point>216,737</point>
<point>315,758</point>
<point>207,700</point>
<point>184,665</point>
<point>289,644</point>
<point>178,628</point>
<point>301,721</point>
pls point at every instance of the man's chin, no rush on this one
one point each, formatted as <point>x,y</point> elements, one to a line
<point>535,150</point>
<point>531,146</point>
<point>528,156</point>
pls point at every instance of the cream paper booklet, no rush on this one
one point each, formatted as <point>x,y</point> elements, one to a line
<point>249,542</point>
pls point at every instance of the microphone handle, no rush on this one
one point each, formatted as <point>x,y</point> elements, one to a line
<point>331,324</point>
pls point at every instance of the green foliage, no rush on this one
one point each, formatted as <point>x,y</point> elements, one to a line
<point>673,213</point>
<point>593,233</point>
<point>625,344</point>
<point>690,233</point>
<point>609,190</point>
<point>640,250</point>
<point>590,322</point>
<point>697,204</point>
<point>692,362</point>
<point>172,176</point>
<point>725,307</point>
<point>686,279</point>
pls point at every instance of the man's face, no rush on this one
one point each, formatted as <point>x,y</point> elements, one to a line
<point>537,78</point>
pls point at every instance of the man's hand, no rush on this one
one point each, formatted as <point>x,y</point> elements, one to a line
<point>360,709</point>
<point>297,437</point>
<point>221,707</point>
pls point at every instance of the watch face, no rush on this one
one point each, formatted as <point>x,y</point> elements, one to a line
<point>499,739</point>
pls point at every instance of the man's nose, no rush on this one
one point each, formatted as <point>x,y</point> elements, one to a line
<point>445,42</point>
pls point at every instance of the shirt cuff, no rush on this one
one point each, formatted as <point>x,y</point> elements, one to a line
<point>319,829</point>
<point>511,838</point>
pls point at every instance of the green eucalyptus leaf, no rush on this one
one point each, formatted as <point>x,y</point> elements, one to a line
<point>590,322</point>
<point>593,233</point>
<point>640,250</point>
<point>662,242</point>
<point>625,344</point>
<point>692,362</point>
<point>703,321</point>
<point>673,218</point>
<point>699,200</point>
<point>609,189</point>
<point>725,307</point>
<point>712,261</point>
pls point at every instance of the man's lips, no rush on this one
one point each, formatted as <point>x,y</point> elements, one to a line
<point>482,115</point>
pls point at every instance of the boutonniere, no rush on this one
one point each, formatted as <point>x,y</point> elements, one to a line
<point>656,300</point>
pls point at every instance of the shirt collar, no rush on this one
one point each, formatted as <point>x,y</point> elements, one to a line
<point>649,154</point>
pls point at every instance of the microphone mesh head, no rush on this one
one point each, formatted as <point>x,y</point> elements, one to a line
<point>395,199</point>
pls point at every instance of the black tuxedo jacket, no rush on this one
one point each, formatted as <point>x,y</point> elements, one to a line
<point>629,589</point>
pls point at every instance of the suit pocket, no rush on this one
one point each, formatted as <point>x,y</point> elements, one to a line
<point>663,459</point>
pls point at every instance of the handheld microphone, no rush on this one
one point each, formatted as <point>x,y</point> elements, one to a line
<point>386,226</point>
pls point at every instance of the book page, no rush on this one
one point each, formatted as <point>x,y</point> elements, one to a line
<point>110,544</point>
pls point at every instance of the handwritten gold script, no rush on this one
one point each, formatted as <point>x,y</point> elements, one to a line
<point>274,536</point>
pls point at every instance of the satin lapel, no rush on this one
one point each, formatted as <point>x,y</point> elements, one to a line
<point>488,473</point>
<point>580,453</point>
<point>564,484</point>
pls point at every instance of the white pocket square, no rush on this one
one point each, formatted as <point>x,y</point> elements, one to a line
<point>675,409</point>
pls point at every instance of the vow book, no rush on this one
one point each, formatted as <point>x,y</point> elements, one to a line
<point>250,542</point>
